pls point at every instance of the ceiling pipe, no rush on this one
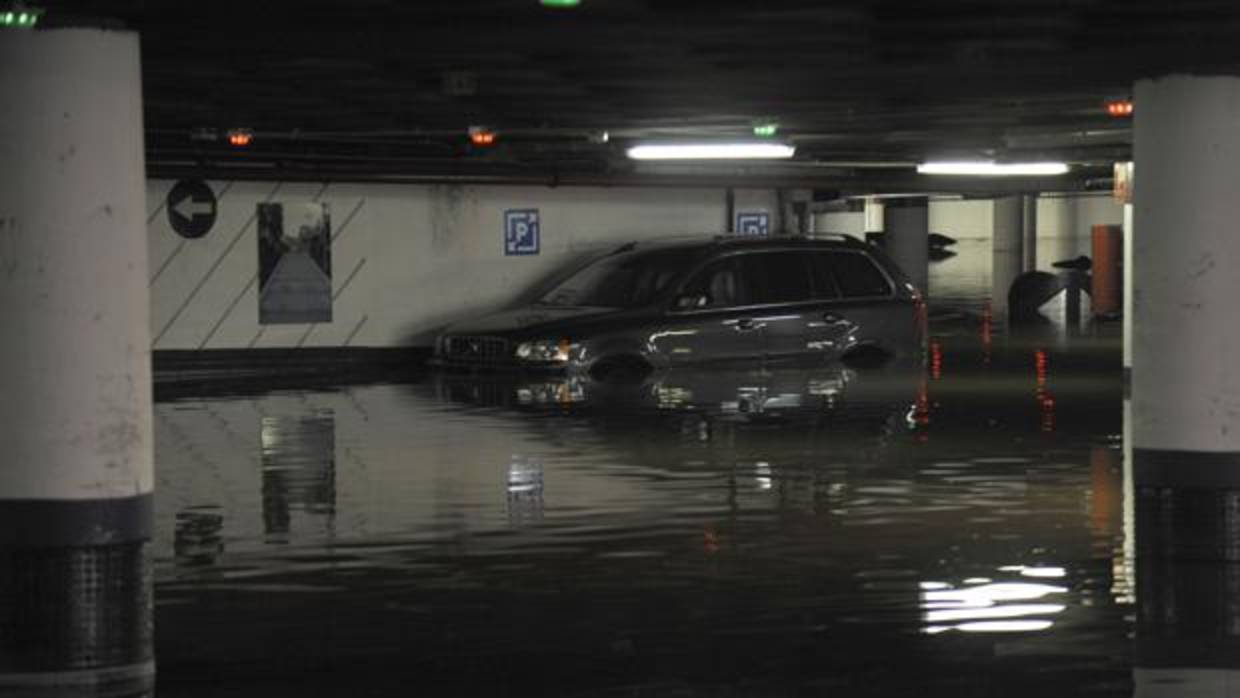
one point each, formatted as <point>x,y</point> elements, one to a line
<point>856,182</point>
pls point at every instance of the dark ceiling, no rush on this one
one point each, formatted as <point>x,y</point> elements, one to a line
<point>388,89</point>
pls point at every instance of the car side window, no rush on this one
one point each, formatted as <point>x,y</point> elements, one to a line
<point>825,285</point>
<point>858,276</point>
<point>777,277</point>
<point>722,283</point>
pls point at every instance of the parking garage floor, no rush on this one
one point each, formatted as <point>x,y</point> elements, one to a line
<point>963,529</point>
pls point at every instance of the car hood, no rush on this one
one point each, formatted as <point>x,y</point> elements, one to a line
<point>527,320</point>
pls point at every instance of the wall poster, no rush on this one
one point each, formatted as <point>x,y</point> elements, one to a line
<point>294,263</point>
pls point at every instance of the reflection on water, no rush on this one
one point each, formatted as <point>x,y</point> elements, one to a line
<point>981,605</point>
<point>525,491</point>
<point>196,538</point>
<point>299,470</point>
<point>891,531</point>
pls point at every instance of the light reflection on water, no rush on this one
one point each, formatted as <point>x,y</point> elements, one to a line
<point>984,606</point>
<point>752,527</point>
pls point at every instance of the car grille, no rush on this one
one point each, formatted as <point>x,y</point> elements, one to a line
<point>477,349</point>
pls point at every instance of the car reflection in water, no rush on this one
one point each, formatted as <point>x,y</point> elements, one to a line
<point>882,398</point>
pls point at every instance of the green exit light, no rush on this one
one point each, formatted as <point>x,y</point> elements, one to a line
<point>560,3</point>
<point>765,130</point>
<point>20,18</point>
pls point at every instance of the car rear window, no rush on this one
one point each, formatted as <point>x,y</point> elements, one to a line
<point>855,275</point>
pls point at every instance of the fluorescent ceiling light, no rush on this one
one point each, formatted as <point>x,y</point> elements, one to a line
<point>993,169</point>
<point>712,151</point>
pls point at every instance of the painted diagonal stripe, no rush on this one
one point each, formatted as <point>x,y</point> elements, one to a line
<point>212,269</point>
<point>335,296</point>
<point>167,260</point>
<point>257,336</point>
<point>349,279</point>
<point>348,219</point>
<point>349,340</point>
<point>228,311</point>
<point>306,335</point>
<point>158,209</point>
<point>180,245</point>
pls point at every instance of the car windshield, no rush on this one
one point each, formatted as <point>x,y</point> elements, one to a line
<point>621,281</point>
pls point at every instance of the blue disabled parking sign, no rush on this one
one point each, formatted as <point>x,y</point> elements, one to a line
<point>521,232</point>
<point>753,223</point>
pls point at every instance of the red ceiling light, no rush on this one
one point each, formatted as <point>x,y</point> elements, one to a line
<point>1120,108</point>
<point>481,136</point>
<point>240,137</point>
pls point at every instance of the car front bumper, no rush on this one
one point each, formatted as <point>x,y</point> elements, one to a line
<point>459,365</point>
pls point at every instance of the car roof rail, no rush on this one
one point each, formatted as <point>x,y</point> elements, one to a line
<point>845,238</point>
<point>839,237</point>
<point>626,247</point>
<point>663,239</point>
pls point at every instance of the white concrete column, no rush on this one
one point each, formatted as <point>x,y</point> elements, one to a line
<point>908,239</point>
<point>873,216</point>
<point>1007,246</point>
<point>1185,382</point>
<point>1185,253</point>
<point>76,472</point>
<point>1128,289</point>
<point>1029,232</point>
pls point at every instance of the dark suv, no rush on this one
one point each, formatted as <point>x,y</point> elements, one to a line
<point>661,305</point>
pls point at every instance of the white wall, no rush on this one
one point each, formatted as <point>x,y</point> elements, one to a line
<point>962,218</point>
<point>848,222</point>
<point>1065,226</point>
<point>962,280</point>
<point>1064,232</point>
<point>405,259</point>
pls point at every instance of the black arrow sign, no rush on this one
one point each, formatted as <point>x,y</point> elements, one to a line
<point>191,208</point>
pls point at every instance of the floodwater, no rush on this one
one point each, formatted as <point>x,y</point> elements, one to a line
<point>960,529</point>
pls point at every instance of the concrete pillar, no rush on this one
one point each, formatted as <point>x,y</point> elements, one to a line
<point>1185,386</point>
<point>1127,292</point>
<point>908,239</point>
<point>1008,256</point>
<point>1029,232</point>
<point>793,211</point>
<point>76,473</point>
<point>874,222</point>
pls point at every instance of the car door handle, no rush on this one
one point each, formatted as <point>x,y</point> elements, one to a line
<point>747,324</point>
<point>834,319</point>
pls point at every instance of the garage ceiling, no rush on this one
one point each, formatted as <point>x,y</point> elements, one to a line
<point>387,89</point>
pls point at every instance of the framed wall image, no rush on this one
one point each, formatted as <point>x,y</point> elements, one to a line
<point>294,263</point>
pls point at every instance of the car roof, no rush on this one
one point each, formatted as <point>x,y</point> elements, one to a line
<point>708,241</point>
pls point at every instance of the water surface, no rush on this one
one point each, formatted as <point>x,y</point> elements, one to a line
<point>955,530</point>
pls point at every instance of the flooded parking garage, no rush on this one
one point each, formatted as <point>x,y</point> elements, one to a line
<point>618,348</point>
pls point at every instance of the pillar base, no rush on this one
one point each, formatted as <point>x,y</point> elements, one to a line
<point>1186,469</point>
<point>76,620</point>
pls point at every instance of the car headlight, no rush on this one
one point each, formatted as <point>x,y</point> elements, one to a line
<point>545,350</point>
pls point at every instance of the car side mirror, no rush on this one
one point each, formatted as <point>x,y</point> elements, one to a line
<point>691,301</point>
